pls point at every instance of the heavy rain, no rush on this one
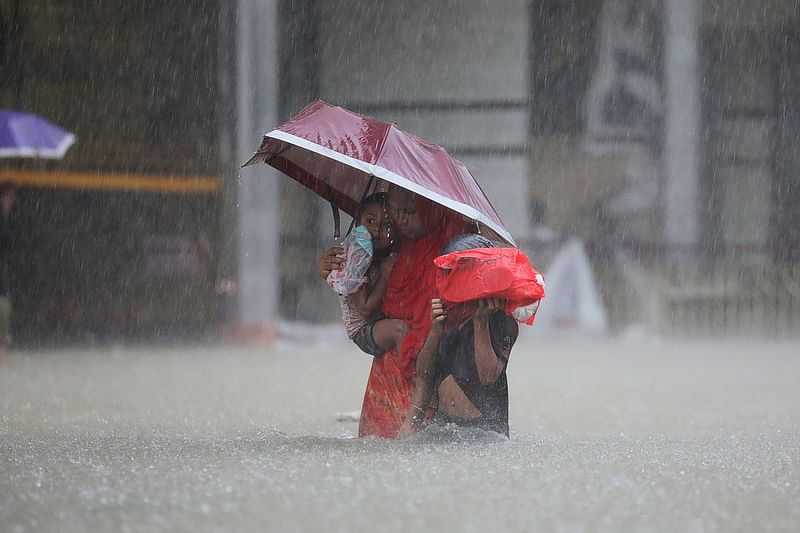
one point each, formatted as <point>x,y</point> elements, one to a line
<point>171,358</point>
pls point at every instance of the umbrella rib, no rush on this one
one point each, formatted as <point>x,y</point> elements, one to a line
<point>383,141</point>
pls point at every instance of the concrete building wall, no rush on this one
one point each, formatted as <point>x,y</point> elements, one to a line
<point>764,14</point>
<point>744,146</point>
<point>113,241</point>
<point>458,53</point>
<point>745,49</point>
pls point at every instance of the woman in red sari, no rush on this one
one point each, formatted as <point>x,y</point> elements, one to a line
<point>424,227</point>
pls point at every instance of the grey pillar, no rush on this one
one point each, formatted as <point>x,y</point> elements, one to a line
<point>302,291</point>
<point>682,125</point>
<point>258,188</point>
<point>227,237</point>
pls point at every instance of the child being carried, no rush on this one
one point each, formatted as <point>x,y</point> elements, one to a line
<point>362,279</point>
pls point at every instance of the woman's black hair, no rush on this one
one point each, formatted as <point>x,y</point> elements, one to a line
<point>466,241</point>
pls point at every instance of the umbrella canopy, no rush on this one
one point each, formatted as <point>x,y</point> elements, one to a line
<point>336,153</point>
<point>28,135</point>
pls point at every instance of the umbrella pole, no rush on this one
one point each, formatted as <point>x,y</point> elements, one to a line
<point>358,211</point>
<point>335,220</point>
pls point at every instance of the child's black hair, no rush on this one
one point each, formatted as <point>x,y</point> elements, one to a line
<point>380,198</point>
<point>374,198</point>
<point>466,241</point>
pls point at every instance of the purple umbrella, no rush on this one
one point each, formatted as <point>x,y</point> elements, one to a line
<point>28,135</point>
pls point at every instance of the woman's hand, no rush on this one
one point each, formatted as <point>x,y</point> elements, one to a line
<point>414,420</point>
<point>331,259</point>
<point>407,429</point>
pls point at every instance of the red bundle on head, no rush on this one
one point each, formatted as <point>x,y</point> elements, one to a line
<point>504,273</point>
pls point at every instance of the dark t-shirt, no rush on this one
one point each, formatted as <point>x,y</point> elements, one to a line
<point>456,357</point>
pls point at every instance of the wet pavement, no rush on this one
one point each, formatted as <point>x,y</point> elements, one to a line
<point>642,435</point>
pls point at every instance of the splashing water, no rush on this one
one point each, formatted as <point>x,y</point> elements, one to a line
<point>606,436</point>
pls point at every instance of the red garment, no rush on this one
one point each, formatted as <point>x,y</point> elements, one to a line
<point>408,297</point>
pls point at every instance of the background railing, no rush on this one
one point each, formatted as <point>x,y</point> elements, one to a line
<point>732,300</point>
<point>748,291</point>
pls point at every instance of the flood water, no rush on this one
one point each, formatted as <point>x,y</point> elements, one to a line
<point>607,435</point>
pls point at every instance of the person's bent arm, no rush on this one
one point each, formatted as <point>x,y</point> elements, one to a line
<point>426,366</point>
<point>368,301</point>
<point>426,359</point>
<point>331,259</point>
<point>490,364</point>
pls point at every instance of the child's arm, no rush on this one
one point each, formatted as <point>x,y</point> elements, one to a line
<point>490,364</point>
<point>368,301</point>
<point>426,366</point>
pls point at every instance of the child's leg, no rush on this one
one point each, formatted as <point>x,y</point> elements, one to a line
<point>389,332</point>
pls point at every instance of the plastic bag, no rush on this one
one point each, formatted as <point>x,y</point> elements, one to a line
<point>504,273</point>
<point>351,275</point>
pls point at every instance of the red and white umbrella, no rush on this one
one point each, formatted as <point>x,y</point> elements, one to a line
<point>337,154</point>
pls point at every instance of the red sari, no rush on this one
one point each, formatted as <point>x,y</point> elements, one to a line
<point>408,297</point>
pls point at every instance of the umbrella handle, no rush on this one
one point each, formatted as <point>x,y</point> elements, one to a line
<point>358,211</point>
<point>336,222</point>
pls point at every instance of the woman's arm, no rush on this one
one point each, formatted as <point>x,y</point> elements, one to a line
<point>331,259</point>
<point>490,364</point>
<point>426,366</point>
<point>426,359</point>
